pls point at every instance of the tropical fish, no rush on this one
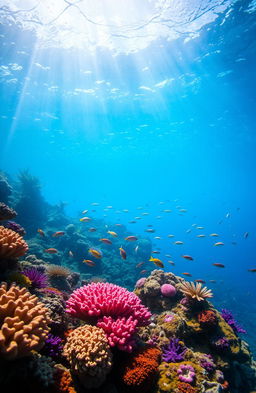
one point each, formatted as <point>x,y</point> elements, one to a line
<point>85,219</point>
<point>167,211</point>
<point>188,257</point>
<point>92,229</point>
<point>252,270</point>
<point>132,222</point>
<point>172,263</point>
<point>214,234</point>
<point>140,264</point>
<point>112,233</point>
<point>168,255</point>
<point>187,274</point>
<point>150,230</point>
<point>95,204</point>
<point>218,264</point>
<point>70,254</point>
<point>199,227</point>
<point>200,235</point>
<point>122,253</point>
<point>155,252</point>
<point>137,218</point>
<point>188,230</point>
<point>170,236</point>
<point>157,237</point>
<point>157,262</point>
<point>219,244</point>
<point>183,210</point>
<point>95,253</point>
<point>58,233</point>
<point>51,250</point>
<point>178,242</point>
<point>199,280</point>
<point>88,262</point>
<point>117,225</point>
<point>41,232</point>
<point>85,211</point>
<point>143,271</point>
<point>131,238</point>
<point>145,214</point>
<point>106,241</point>
<point>246,234</point>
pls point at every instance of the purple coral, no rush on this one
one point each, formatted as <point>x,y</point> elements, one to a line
<point>220,343</point>
<point>174,352</point>
<point>228,317</point>
<point>53,346</point>
<point>15,227</point>
<point>186,373</point>
<point>207,363</point>
<point>38,279</point>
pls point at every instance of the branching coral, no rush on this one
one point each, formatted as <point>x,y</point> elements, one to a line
<point>118,311</point>
<point>141,369</point>
<point>195,291</point>
<point>11,244</point>
<point>23,322</point>
<point>89,355</point>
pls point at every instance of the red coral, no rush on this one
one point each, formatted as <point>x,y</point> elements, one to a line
<point>186,388</point>
<point>140,371</point>
<point>207,319</point>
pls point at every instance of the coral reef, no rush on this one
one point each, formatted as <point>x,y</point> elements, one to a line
<point>12,245</point>
<point>89,355</point>
<point>24,322</point>
<point>6,213</point>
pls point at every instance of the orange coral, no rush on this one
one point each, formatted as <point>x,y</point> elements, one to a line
<point>141,370</point>
<point>207,318</point>
<point>12,245</point>
<point>186,388</point>
<point>23,324</point>
<point>64,382</point>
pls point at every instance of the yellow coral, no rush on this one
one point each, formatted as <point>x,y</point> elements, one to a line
<point>12,245</point>
<point>89,355</point>
<point>23,326</point>
<point>20,279</point>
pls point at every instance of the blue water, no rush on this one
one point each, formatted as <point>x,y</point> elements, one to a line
<point>169,124</point>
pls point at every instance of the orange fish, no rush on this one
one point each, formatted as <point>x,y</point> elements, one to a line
<point>88,262</point>
<point>122,253</point>
<point>131,238</point>
<point>70,254</point>
<point>218,264</point>
<point>187,274</point>
<point>51,250</point>
<point>188,257</point>
<point>201,281</point>
<point>106,241</point>
<point>58,233</point>
<point>112,233</point>
<point>92,229</point>
<point>219,244</point>
<point>140,264</point>
<point>95,253</point>
<point>155,252</point>
<point>143,271</point>
<point>41,232</point>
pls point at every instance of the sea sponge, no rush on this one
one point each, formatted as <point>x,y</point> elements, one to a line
<point>140,371</point>
<point>23,325</point>
<point>89,355</point>
<point>12,245</point>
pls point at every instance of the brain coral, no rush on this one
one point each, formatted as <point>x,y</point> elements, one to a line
<point>12,244</point>
<point>116,310</point>
<point>23,322</point>
<point>89,355</point>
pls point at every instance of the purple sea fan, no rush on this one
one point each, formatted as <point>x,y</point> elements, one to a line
<point>38,279</point>
<point>53,346</point>
<point>186,373</point>
<point>228,317</point>
<point>174,352</point>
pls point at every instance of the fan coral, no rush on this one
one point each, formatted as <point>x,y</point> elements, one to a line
<point>53,346</point>
<point>186,373</point>
<point>174,352</point>
<point>57,271</point>
<point>228,317</point>
<point>195,291</point>
<point>15,227</point>
<point>37,278</point>
<point>115,309</point>
<point>11,244</point>
<point>141,369</point>
<point>23,322</point>
<point>168,290</point>
<point>186,388</point>
<point>89,355</point>
<point>207,318</point>
<point>6,213</point>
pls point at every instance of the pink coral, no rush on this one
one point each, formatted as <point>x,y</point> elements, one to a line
<point>140,282</point>
<point>168,290</point>
<point>186,373</point>
<point>116,310</point>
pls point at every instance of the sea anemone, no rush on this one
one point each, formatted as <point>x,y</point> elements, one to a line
<point>195,291</point>
<point>57,271</point>
<point>38,279</point>
<point>186,373</point>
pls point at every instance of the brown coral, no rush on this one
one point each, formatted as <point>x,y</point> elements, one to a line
<point>6,213</point>
<point>89,355</point>
<point>23,322</point>
<point>12,245</point>
<point>195,291</point>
